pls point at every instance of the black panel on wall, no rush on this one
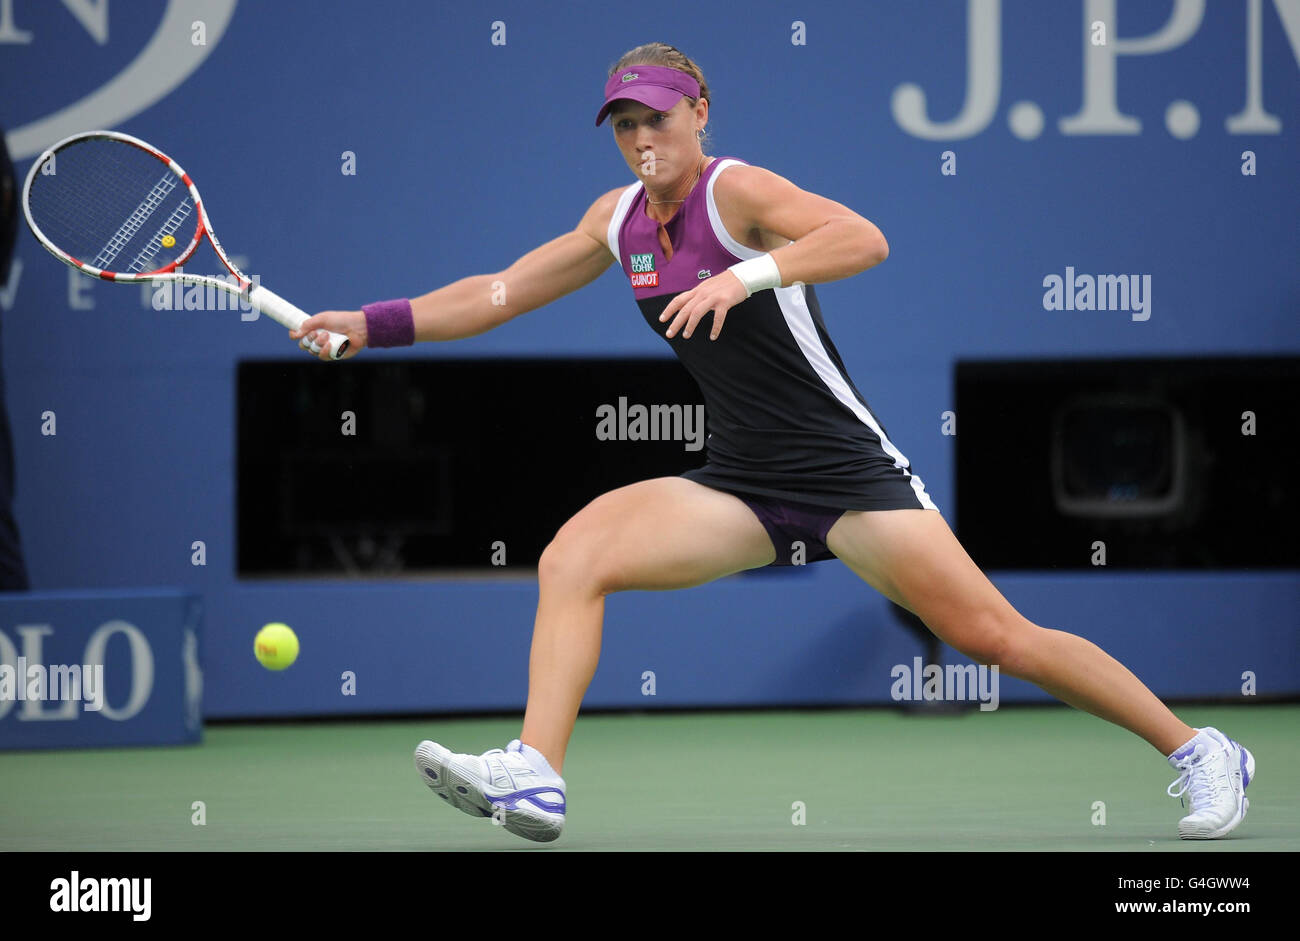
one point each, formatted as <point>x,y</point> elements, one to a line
<point>447,457</point>
<point>1169,463</point>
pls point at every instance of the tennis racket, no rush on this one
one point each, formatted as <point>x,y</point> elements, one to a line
<point>116,208</point>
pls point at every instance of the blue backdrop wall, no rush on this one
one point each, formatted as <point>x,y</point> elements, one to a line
<point>473,142</point>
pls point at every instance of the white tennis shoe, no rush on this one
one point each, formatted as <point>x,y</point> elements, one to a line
<point>1214,773</point>
<point>501,784</point>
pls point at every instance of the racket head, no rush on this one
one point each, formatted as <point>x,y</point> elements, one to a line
<point>103,202</point>
<point>107,203</point>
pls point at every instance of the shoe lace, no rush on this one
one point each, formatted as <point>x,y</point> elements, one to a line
<point>1197,780</point>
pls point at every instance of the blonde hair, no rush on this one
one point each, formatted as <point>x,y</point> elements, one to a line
<point>660,53</point>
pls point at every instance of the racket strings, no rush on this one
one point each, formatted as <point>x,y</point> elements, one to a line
<point>151,248</point>
<point>114,204</point>
<point>134,221</point>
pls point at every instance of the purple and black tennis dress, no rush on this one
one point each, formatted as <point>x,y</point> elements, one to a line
<point>788,432</point>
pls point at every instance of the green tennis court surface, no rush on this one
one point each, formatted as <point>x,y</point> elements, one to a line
<point>1013,779</point>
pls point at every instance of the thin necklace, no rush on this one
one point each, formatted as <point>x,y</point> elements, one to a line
<point>698,168</point>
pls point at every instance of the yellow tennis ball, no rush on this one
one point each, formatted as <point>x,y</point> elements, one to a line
<point>168,241</point>
<point>276,646</point>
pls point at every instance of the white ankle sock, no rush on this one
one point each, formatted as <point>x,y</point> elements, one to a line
<point>537,760</point>
<point>1200,736</point>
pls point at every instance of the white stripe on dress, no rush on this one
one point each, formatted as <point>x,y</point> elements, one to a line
<point>616,221</point>
<point>794,307</point>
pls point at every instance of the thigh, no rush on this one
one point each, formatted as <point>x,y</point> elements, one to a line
<point>913,558</point>
<point>659,534</point>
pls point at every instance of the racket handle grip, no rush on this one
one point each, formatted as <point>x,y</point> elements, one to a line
<point>290,316</point>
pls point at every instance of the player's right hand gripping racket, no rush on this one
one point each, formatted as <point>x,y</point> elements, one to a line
<point>116,208</point>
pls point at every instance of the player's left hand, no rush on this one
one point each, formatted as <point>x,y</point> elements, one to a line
<point>718,294</point>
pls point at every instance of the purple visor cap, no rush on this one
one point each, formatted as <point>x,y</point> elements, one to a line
<point>655,86</point>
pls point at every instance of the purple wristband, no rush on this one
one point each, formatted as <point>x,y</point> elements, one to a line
<point>389,323</point>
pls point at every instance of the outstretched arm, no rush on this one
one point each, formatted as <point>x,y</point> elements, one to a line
<point>476,304</point>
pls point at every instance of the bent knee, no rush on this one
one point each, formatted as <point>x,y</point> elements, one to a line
<point>576,561</point>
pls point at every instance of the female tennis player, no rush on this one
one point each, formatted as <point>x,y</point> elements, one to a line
<point>722,257</point>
